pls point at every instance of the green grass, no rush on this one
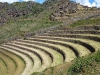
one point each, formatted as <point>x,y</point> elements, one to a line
<point>86,65</point>
<point>19,28</point>
<point>86,22</point>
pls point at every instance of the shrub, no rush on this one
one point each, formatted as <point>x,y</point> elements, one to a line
<point>83,64</point>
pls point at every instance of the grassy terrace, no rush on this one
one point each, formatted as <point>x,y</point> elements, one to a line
<point>46,59</point>
<point>82,38</point>
<point>10,64</point>
<point>20,64</point>
<point>59,48</point>
<point>53,38</point>
<point>57,59</point>
<point>76,46</point>
<point>37,62</point>
<point>73,32</point>
<point>3,67</point>
<point>41,50</point>
<point>52,49</point>
<point>28,61</point>
<point>84,65</point>
<point>82,42</point>
<point>88,42</point>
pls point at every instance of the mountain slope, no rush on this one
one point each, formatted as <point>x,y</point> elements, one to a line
<point>48,38</point>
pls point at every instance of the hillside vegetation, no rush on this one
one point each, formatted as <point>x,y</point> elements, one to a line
<point>58,37</point>
<point>89,65</point>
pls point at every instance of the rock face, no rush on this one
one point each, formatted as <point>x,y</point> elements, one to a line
<point>67,8</point>
<point>15,10</point>
<point>64,9</point>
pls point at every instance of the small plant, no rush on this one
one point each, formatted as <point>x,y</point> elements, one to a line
<point>59,73</point>
<point>41,73</point>
<point>25,38</point>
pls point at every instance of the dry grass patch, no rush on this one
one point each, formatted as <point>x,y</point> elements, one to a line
<point>11,65</point>
<point>28,62</point>
<point>3,67</point>
<point>20,64</point>
<point>46,59</point>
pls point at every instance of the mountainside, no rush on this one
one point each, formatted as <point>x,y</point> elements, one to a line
<point>13,11</point>
<point>57,9</point>
<point>58,37</point>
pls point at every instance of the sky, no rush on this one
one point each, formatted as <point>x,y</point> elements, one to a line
<point>90,3</point>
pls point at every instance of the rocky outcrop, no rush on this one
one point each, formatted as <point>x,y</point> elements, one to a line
<point>63,10</point>
<point>67,8</point>
<point>15,10</point>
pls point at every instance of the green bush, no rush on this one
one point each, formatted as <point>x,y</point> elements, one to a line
<point>97,57</point>
<point>84,64</point>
